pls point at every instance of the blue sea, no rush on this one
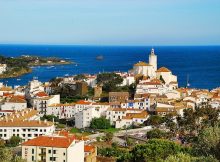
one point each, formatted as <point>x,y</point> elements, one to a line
<point>201,63</point>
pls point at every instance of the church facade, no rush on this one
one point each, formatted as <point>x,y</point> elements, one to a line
<point>150,71</point>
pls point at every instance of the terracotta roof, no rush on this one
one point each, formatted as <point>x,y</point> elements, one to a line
<point>17,100</point>
<point>163,69</point>
<point>83,102</point>
<point>41,94</point>
<point>5,89</point>
<point>89,148</point>
<point>20,115</point>
<point>141,115</point>
<point>141,63</point>
<point>59,105</point>
<point>101,103</point>
<point>25,123</point>
<point>150,83</point>
<point>46,141</point>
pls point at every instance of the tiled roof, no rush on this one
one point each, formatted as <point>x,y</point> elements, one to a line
<point>59,105</point>
<point>20,115</point>
<point>83,102</point>
<point>46,141</point>
<point>5,89</point>
<point>41,94</point>
<point>141,115</point>
<point>141,63</point>
<point>89,148</point>
<point>25,123</point>
<point>17,100</point>
<point>163,69</point>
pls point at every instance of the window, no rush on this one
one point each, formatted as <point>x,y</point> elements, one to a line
<point>52,158</point>
<point>13,130</point>
<point>32,158</point>
<point>49,151</point>
<point>64,154</point>
<point>32,151</point>
<point>64,160</point>
<point>54,151</point>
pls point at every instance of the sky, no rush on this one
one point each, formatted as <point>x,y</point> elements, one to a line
<point>110,22</point>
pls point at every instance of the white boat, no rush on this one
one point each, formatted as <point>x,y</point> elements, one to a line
<point>66,75</point>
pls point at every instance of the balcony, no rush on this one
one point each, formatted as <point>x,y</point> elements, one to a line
<point>42,154</point>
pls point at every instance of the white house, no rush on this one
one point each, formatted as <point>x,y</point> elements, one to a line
<point>15,104</point>
<point>25,124</point>
<point>83,118</point>
<point>3,68</point>
<point>153,86</point>
<point>41,101</point>
<point>53,148</point>
<point>114,114</point>
<point>166,74</point>
<point>132,118</point>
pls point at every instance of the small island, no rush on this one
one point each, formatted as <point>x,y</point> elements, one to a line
<point>11,67</point>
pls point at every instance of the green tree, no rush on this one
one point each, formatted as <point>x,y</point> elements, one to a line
<point>14,141</point>
<point>155,120</point>
<point>155,150</point>
<point>208,142</point>
<point>110,81</point>
<point>109,136</point>
<point>100,123</point>
<point>80,77</point>
<point>162,80</point>
<point>181,157</point>
<point>50,118</point>
<point>7,156</point>
<point>157,133</point>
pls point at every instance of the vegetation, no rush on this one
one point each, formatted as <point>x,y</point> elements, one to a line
<point>181,157</point>
<point>80,77</point>
<point>155,150</point>
<point>100,123</point>
<point>162,80</point>
<point>21,65</point>
<point>155,120</point>
<point>109,136</point>
<point>157,133</point>
<point>110,81</point>
<point>7,156</point>
<point>50,118</point>
<point>208,142</point>
<point>14,141</point>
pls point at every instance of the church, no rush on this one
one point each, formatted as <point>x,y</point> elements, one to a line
<point>150,70</point>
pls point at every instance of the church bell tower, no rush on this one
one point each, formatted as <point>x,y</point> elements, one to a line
<point>153,59</point>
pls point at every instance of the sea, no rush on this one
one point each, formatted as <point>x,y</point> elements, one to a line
<point>200,63</point>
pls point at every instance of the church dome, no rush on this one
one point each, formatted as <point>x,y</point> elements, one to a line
<point>163,69</point>
<point>142,64</point>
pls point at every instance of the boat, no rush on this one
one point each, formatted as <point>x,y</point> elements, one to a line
<point>99,57</point>
<point>66,75</point>
<point>187,82</point>
<point>49,67</point>
<point>18,79</point>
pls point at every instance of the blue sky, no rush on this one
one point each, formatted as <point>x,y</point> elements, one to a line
<point>110,22</point>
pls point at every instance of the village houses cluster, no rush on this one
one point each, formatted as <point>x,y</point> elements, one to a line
<point>157,92</point>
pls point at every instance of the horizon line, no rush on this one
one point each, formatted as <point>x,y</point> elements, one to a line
<point>109,45</point>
